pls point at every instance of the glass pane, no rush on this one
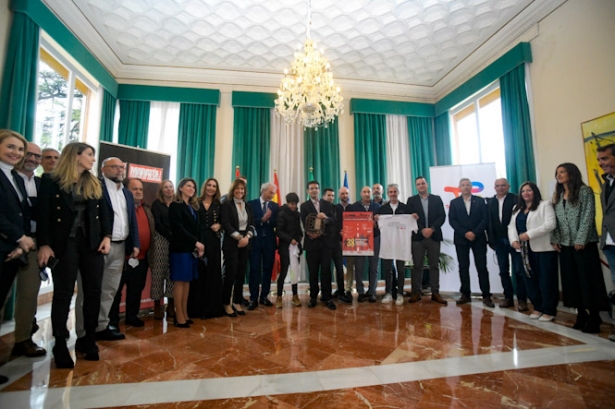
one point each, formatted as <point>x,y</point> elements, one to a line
<point>467,141</point>
<point>492,136</point>
<point>50,108</point>
<point>76,123</point>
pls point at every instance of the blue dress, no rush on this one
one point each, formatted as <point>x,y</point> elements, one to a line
<point>184,266</point>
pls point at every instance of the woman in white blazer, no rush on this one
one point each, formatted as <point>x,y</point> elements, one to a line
<point>532,221</point>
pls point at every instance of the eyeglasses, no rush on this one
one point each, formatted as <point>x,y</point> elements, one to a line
<point>116,167</point>
<point>36,155</point>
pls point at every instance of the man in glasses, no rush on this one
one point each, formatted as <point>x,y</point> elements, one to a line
<point>50,158</point>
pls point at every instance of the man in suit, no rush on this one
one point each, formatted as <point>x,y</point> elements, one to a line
<point>500,208</point>
<point>469,219</point>
<point>264,245</point>
<point>428,210</point>
<point>338,258</point>
<point>124,242</point>
<point>340,208</point>
<point>318,246</point>
<point>28,279</point>
<point>606,160</point>
<point>366,204</point>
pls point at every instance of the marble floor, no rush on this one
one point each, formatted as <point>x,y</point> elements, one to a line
<point>363,355</point>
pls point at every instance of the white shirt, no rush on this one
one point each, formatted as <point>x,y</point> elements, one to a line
<point>467,203</point>
<point>120,212</point>
<point>396,236</point>
<point>500,207</point>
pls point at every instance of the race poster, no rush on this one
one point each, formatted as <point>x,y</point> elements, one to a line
<point>358,234</point>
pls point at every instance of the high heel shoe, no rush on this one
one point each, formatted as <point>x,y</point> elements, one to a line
<point>178,325</point>
<point>233,315</point>
<point>238,312</point>
<point>189,321</point>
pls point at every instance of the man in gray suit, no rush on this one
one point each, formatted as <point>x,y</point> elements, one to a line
<point>606,160</point>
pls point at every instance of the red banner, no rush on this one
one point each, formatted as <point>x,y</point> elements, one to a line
<point>358,234</point>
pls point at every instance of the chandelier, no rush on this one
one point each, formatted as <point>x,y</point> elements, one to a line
<point>307,91</point>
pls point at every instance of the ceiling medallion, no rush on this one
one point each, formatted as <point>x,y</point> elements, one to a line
<point>307,93</point>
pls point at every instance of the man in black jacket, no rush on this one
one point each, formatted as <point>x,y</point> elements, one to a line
<point>336,251</point>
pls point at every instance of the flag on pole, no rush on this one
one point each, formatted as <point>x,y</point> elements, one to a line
<point>278,194</point>
<point>311,175</point>
<point>237,173</point>
<point>345,179</point>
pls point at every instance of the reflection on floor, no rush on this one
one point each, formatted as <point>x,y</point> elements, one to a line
<point>364,355</point>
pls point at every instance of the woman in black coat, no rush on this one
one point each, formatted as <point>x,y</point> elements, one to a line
<point>290,233</point>
<point>74,226</point>
<point>238,225</point>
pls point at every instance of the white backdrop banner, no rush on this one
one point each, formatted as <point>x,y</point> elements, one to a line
<point>445,183</point>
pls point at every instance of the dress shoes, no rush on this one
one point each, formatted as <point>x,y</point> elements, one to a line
<point>3,379</point>
<point>183,325</point>
<point>28,348</point>
<point>109,335</point>
<point>372,298</point>
<point>415,297</point>
<point>488,302</point>
<point>239,312</point>
<point>343,298</point>
<point>363,297</point>
<point>266,302</point>
<point>336,293</point>
<point>331,305</point>
<point>61,355</point>
<point>135,322</point>
<point>507,303</point>
<point>88,348</point>
<point>464,299</point>
<point>312,303</point>
<point>438,298</point>
<point>232,315</point>
<point>245,302</point>
<point>523,306</point>
<point>252,305</point>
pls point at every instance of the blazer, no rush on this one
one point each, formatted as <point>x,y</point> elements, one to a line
<point>326,240</point>
<point>265,231</point>
<point>608,214</point>
<point>499,229</point>
<point>132,240</point>
<point>540,223</point>
<point>229,219</point>
<point>160,211</point>
<point>184,228</point>
<point>435,211</point>
<point>576,224</point>
<point>14,213</point>
<point>461,222</point>
<point>56,214</point>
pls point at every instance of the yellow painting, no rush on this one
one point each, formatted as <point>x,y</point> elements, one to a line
<point>596,133</point>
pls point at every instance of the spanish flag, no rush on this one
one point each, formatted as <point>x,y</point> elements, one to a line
<point>278,194</point>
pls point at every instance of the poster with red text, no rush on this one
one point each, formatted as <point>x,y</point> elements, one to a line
<point>358,234</point>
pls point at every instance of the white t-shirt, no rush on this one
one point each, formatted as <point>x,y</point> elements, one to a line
<point>396,236</point>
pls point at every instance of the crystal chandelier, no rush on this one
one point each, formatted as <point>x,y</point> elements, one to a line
<point>307,91</point>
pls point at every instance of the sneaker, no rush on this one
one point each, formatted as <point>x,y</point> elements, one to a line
<point>296,302</point>
<point>546,318</point>
<point>278,302</point>
<point>399,300</point>
<point>535,315</point>
<point>387,299</point>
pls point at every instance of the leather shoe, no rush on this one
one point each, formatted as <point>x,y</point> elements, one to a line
<point>507,303</point>
<point>252,305</point>
<point>245,302</point>
<point>135,322</point>
<point>88,348</point>
<point>438,298</point>
<point>239,312</point>
<point>464,299</point>
<point>3,379</point>
<point>415,297</point>
<point>336,293</point>
<point>109,335</point>
<point>488,302</point>
<point>363,297</point>
<point>266,302</point>
<point>312,303</point>
<point>523,306</point>
<point>372,298</point>
<point>61,356</point>
<point>331,305</point>
<point>343,298</point>
<point>28,348</point>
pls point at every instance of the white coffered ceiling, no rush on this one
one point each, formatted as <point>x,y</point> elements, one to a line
<point>413,48</point>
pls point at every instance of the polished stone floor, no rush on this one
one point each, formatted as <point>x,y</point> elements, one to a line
<point>360,356</point>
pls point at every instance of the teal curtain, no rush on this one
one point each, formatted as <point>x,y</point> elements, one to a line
<point>107,117</point>
<point>321,151</point>
<point>420,135</point>
<point>196,144</point>
<point>251,146</point>
<point>370,150</point>
<point>519,151</point>
<point>19,80</point>
<point>134,123</point>
<point>442,140</point>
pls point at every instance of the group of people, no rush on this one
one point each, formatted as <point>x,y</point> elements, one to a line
<point>99,233</point>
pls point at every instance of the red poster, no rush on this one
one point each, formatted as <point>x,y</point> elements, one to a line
<point>358,234</point>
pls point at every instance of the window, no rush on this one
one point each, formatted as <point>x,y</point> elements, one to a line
<point>477,131</point>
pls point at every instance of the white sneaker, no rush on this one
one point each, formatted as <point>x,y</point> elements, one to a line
<point>399,300</point>
<point>546,318</point>
<point>535,315</point>
<point>387,299</point>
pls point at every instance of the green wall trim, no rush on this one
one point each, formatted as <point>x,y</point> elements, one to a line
<point>519,54</point>
<point>47,21</point>
<point>373,106</point>
<point>169,94</point>
<point>254,99</point>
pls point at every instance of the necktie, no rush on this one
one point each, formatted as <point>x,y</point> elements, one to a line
<point>264,207</point>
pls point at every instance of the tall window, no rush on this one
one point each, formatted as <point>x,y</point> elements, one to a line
<point>63,99</point>
<point>477,131</point>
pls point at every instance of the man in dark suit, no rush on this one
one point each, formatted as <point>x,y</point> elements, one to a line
<point>606,160</point>
<point>428,210</point>
<point>336,251</point>
<point>469,219</point>
<point>124,242</point>
<point>318,246</point>
<point>500,208</point>
<point>264,245</point>
<point>28,280</point>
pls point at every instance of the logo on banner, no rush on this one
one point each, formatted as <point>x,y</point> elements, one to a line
<point>477,187</point>
<point>145,173</point>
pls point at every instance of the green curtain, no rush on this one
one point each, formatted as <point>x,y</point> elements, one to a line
<point>321,151</point>
<point>107,117</point>
<point>442,140</point>
<point>19,80</point>
<point>370,150</point>
<point>134,123</point>
<point>196,142</point>
<point>420,135</point>
<point>519,151</point>
<point>251,146</point>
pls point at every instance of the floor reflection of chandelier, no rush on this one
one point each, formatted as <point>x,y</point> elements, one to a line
<point>307,92</point>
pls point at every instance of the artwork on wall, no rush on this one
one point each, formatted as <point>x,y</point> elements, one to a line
<point>596,133</point>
